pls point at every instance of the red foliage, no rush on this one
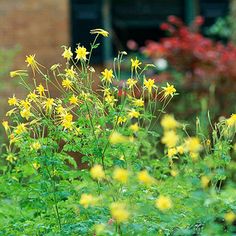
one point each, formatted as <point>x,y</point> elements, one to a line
<point>198,57</point>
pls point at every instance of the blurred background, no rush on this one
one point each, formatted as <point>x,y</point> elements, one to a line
<point>197,54</point>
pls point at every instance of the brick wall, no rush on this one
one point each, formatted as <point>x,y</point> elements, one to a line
<point>39,27</point>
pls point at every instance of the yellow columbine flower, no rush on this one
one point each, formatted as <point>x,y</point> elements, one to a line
<point>116,138</point>
<point>232,120</point>
<point>149,84</point>
<point>180,149</point>
<point>11,158</point>
<point>134,127</point>
<point>168,122</point>
<point>193,145</point>
<point>18,73</point>
<point>131,83</point>
<point>67,84</point>
<point>133,114</point>
<point>67,121</point>
<point>41,90</point>
<point>170,138</point>
<point>110,100</point>
<point>119,212</point>
<point>107,75</point>
<point>163,203</point>
<point>230,217</point>
<point>32,96</point>
<point>99,31</point>
<point>145,178</point>
<point>87,200</point>
<point>169,90</point>
<point>36,145</point>
<point>81,53</point>
<point>25,113</point>
<point>32,62</point>
<point>20,129</point>
<point>99,229</point>
<point>135,63</point>
<point>121,120</point>
<point>71,73</point>
<point>172,152</point>
<point>97,172</point>
<point>73,99</point>
<point>25,104</point>
<point>12,101</point>
<point>67,54</point>
<point>5,125</point>
<point>120,175</point>
<point>138,102</point>
<point>205,181</point>
<point>48,104</point>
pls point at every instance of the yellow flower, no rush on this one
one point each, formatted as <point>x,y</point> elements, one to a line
<point>131,82</point>
<point>73,99</point>
<point>145,178</point>
<point>138,102</point>
<point>12,101</point>
<point>60,110</point>
<point>67,84</point>
<point>32,96</point>
<point>99,31</point>
<point>121,120</point>
<point>232,120</point>
<point>230,217</point>
<point>41,90</point>
<point>120,175</point>
<point>192,144</point>
<point>55,66</point>
<point>5,125</point>
<point>67,54</point>
<point>81,53</point>
<point>25,113</point>
<point>36,145</point>
<point>163,203</point>
<point>135,63</point>
<point>32,62</point>
<point>70,72</point>
<point>18,73</point>
<point>134,127</point>
<point>169,90</point>
<point>87,200</point>
<point>110,100</point>
<point>170,138</point>
<point>48,104</point>
<point>20,129</point>
<point>107,75</point>
<point>67,121</point>
<point>11,158</point>
<point>12,111</point>
<point>133,114</point>
<point>36,165</point>
<point>97,172</point>
<point>169,122</point>
<point>205,181</point>
<point>174,173</point>
<point>119,212</point>
<point>149,84</point>
<point>172,152</point>
<point>180,149</point>
<point>116,138</point>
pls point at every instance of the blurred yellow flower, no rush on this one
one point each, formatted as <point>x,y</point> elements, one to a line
<point>20,129</point>
<point>230,217</point>
<point>25,113</point>
<point>73,99</point>
<point>67,84</point>
<point>120,175</point>
<point>145,178</point>
<point>5,125</point>
<point>138,102</point>
<point>97,172</point>
<point>41,90</point>
<point>131,82</point>
<point>67,54</point>
<point>119,212</point>
<point>192,144</point>
<point>11,158</point>
<point>163,203</point>
<point>12,101</point>
<point>133,114</point>
<point>149,84</point>
<point>116,138</point>
<point>169,122</point>
<point>36,145</point>
<point>135,63</point>
<point>71,73</point>
<point>170,138</point>
<point>205,181</point>
<point>48,104</point>
<point>134,127</point>
<point>100,31</point>
<point>232,120</point>
<point>87,200</point>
